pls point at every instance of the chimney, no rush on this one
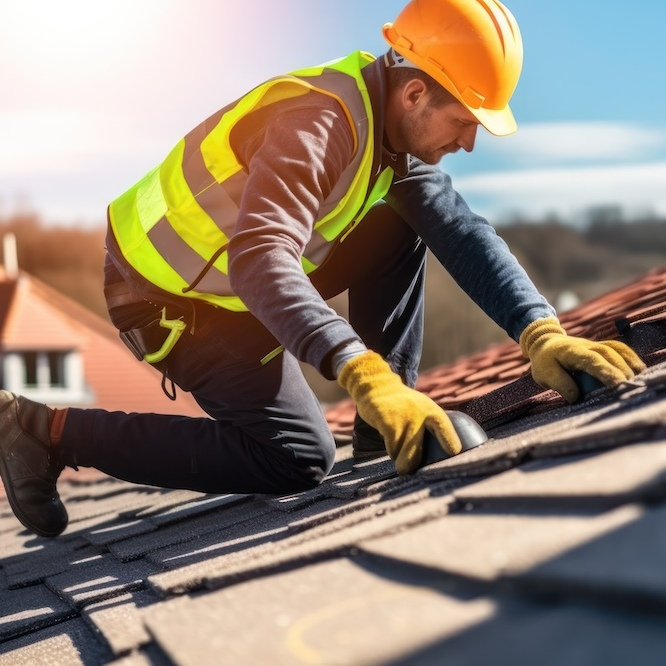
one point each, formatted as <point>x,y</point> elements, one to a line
<point>10,257</point>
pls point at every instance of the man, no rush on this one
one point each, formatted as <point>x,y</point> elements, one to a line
<point>220,261</point>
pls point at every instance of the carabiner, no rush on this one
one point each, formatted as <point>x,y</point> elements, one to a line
<point>176,328</point>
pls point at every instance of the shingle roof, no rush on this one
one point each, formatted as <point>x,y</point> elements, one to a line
<point>545,545</point>
<point>637,308</point>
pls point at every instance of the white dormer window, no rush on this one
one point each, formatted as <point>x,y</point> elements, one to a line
<point>53,377</point>
<point>44,370</point>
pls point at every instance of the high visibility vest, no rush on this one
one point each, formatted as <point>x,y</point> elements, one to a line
<point>174,225</point>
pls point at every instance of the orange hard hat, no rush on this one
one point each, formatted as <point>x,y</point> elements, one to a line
<point>473,48</point>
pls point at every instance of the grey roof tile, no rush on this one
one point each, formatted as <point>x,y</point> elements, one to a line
<point>362,476</point>
<point>542,425</point>
<point>99,579</point>
<point>533,633</point>
<point>624,565</point>
<point>118,621</point>
<point>167,498</point>
<point>584,481</point>
<point>17,541</point>
<point>235,539</point>
<point>487,546</point>
<point>126,504</point>
<point>327,510</point>
<point>371,611</point>
<point>182,506</point>
<point>193,529</point>
<point>628,423</point>
<point>323,541</point>
<point>263,531</point>
<point>329,613</point>
<point>104,488</point>
<point>105,532</point>
<point>69,643</point>
<point>34,566</point>
<point>296,501</point>
<point>392,485</point>
<point>492,457</point>
<point>30,608</point>
<point>507,446</point>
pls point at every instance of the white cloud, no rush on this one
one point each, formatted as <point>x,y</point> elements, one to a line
<point>566,191</point>
<point>577,142</point>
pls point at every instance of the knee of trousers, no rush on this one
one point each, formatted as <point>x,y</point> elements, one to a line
<point>308,463</point>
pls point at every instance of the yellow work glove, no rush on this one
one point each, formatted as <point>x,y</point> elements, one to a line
<point>554,354</point>
<point>401,414</point>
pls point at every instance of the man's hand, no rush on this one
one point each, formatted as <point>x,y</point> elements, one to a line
<point>401,414</point>
<point>554,354</point>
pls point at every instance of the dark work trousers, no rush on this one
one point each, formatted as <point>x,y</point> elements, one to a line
<point>267,432</point>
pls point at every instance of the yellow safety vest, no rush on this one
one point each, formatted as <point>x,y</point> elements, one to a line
<point>173,226</point>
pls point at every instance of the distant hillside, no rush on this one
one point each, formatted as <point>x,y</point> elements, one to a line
<point>558,257</point>
<point>588,261</point>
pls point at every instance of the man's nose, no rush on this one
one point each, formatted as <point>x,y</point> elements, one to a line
<point>467,138</point>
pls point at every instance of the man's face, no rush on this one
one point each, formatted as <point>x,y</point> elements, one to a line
<point>429,132</point>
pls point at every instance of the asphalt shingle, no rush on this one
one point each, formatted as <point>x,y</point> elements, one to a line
<point>624,566</point>
<point>69,643</point>
<point>23,611</point>
<point>118,621</point>
<point>329,613</point>
<point>587,481</point>
<point>544,545</point>
<point>550,635</point>
<point>98,579</point>
<point>34,566</point>
<point>192,530</point>
<point>321,542</point>
<point>486,545</point>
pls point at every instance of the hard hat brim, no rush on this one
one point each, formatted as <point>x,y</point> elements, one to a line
<point>500,122</point>
<point>497,122</point>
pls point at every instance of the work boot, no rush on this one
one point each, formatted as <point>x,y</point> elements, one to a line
<point>28,466</point>
<point>367,443</point>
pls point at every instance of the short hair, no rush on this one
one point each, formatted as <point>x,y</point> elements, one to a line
<point>398,77</point>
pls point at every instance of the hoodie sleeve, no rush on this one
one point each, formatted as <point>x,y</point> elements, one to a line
<point>293,162</point>
<point>468,247</point>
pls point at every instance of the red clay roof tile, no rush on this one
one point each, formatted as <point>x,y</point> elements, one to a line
<point>471,378</point>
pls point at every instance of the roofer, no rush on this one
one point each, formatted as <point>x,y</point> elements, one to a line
<point>221,259</point>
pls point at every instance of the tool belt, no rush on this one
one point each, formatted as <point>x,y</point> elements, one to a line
<point>143,323</point>
<point>160,336</point>
<point>151,321</point>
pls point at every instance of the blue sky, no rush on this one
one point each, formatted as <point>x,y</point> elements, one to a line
<point>94,94</point>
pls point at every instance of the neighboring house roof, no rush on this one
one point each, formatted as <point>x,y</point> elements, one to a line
<point>34,316</point>
<point>544,545</point>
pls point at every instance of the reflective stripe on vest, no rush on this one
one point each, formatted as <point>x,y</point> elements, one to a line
<point>174,225</point>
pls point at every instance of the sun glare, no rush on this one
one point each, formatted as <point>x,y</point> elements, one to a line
<point>81,34</point>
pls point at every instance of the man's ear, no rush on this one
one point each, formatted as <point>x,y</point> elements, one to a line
<point>414,92</point>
